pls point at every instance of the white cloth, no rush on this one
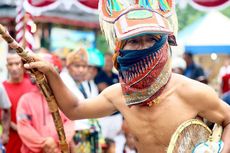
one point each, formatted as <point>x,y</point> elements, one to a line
<point>72,85</point>
<point>209,147</point>
<point>4,99</point>
<point>90,88</point>
<point>111,128</point>
<point>128,150</point>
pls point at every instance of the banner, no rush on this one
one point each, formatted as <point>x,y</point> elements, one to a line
<point>71,39</point>
<point>37,7</point>
<point>209,4</point>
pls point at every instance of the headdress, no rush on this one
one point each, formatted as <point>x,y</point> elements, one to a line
<point>143,73</point>
<point>122,19</point>
<point>78,56</point>
<point>53,59</point>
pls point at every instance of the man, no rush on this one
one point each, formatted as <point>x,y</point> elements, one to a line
<point>192,70</point>
<point>16,85</point>
<point>86,138</point>
<point>224,76</point>
<point>153,101</point>
<point>226,97</point>
<point>106,77</point>
<point>33,115</point>
<point>94,63</point>
<point>5,115</point>
<point>178,65</point>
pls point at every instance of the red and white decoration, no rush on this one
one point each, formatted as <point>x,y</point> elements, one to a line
<point>209,4</point>
<point>24,28</point>
<point>36,7</point>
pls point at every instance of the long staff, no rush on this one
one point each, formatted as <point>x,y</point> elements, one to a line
<point>44,86</point>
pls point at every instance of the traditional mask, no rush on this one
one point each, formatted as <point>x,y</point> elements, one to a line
<point>143,73</point>
<point>122,19</point>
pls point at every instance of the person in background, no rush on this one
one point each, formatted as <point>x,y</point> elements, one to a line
<point>225,83</point>
<point>129,146</point>
<point>192,70</point>
<point>89,84</point>
<point>106,77</point>
<point>223,77</point>
<point>109,146</point>
<point>178,65</point>
<point>5,115</point>
<point>62,53</point>
<point>226,97</point>
<point>33,115</point>
<point>86,138</point>
<point>17,84</point>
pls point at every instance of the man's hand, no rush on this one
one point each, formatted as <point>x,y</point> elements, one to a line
<point>5,138</point>
<point>50,146</point>
<point>40,64</point>
<point>13,126</point>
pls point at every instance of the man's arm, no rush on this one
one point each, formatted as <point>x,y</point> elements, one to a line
<point>215,110</point>
<point>6,116</point>
<point>72,107</point>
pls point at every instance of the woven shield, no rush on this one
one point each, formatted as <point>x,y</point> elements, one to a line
<point>188,135</point>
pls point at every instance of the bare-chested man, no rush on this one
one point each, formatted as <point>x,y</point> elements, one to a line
<point>153,100</point>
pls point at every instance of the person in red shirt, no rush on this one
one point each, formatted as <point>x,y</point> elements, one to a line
<point>16,85</point>
<point>33,115</point>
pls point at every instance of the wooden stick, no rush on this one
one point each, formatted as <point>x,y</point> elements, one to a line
<point>44,86</point>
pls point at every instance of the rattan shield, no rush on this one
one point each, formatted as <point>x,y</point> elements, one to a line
<point>188,135</point>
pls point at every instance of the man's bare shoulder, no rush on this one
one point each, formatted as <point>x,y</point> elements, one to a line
<point>191,89</point>
<point>195,94</point>
<point>113,93</point>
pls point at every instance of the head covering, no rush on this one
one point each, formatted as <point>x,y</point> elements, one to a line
<point>143,73</point>
<point>96,58</point>
<point>122,19</point>
<point>78,56</point>
<point>51,58</point>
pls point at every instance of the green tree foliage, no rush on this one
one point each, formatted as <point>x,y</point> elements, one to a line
<point>226,11</point>
<point>101,43</point>
<point>187,16</point>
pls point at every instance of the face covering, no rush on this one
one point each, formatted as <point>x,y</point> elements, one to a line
<point>144,73</point>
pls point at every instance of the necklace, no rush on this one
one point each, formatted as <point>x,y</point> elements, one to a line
<point>154,101</point>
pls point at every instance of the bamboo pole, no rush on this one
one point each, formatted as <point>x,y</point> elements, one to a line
<point>44,86</point>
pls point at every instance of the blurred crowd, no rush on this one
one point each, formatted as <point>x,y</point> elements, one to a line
<point>27,124</point>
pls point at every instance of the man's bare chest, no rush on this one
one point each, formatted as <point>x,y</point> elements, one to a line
<point>154,126</point>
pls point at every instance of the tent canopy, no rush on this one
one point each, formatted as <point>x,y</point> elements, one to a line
<point>209,34</point>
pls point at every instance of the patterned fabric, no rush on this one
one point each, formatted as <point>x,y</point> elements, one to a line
<point>143,80</point>
<point>87,141</point>
<point>79,56</point>
<point>123,19</point>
